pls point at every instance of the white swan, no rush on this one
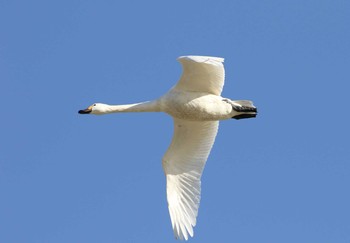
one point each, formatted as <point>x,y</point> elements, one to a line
<point>196,107</point>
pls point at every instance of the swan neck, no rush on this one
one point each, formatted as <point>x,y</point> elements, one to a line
<point>148,106</point>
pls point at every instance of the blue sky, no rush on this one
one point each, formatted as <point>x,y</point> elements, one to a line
<point>283,177</point>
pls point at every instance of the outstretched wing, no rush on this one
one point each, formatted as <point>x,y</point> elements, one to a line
<point>202,74</point>
<point>183,164</point>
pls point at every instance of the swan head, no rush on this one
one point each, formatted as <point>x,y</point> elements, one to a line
<point>97,109</point>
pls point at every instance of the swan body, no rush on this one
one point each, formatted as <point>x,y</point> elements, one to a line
<point>196,105</point>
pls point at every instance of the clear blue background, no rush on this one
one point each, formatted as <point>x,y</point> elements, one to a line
<point>283,177</point>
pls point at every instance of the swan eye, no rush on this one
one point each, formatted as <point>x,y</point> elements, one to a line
<point>94,104</point>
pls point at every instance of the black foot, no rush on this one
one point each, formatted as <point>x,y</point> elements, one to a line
<point>244,108</point>
<point>243,116</point>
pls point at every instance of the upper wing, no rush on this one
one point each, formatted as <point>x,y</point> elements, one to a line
<point>183,164</point>
<point>202,74</point>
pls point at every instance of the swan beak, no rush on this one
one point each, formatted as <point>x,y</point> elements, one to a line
<point>86,111</point>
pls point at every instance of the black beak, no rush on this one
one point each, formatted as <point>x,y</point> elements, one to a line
<point>86,111</point>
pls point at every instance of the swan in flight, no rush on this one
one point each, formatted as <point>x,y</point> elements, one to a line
<point>196,105</point>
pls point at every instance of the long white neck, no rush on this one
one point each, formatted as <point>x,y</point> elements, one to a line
<point>148,106</point>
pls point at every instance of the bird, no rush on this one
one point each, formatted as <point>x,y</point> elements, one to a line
<point>196,106</point>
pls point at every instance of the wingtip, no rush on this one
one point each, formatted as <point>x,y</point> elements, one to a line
<point>201,58</point>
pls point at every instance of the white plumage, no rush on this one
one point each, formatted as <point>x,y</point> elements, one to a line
<point>183,164</point>
<point>202,74</point>
<point>196,107</point>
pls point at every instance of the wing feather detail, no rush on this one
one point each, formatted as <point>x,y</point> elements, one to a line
<point>202,74</point>
<point>183,164</point>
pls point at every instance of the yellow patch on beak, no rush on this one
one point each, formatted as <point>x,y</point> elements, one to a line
<point>86,111</point>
